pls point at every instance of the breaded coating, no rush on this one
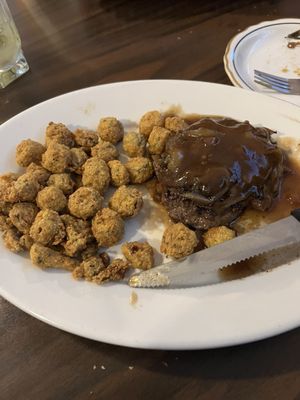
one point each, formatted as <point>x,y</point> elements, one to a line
<point>140,169</point>
<point>107,227</point>
<point>96,174</point>
<point>78,158</point>
<point>138,254</point>
<point>5,223</point>
<point>56,158</point>
<point>114,272</point>
<point>92,267</point>
<point>26,187</point>
<point>126,201</point>
<point>29,151</point>
<point>118,173</point>
<point>48,228</point>
<point>64,182</point>
<point>51,197</point>
<point>134,144</point>
<point>59,133</point>
<point>217,235</point>
<point>110,130</point>
<point>86,138</point>
<point>178,241</point>
<point>7,188</point>
<point>39,173</point>
<point>22,216</point>
<point>85,202</point>
<point>175,124</point>
<point>158,139</point>
<point>148,121</point>
<point>5,207</point>
<point>105,258</point>
<point>78,234</point>
<point>91,250</point>
<point>11,239</point>
<point>26,241</point>
<point>105,150</point>
<point>44,257</point>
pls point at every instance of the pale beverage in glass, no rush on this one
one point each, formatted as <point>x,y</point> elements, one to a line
<point>12,61</point>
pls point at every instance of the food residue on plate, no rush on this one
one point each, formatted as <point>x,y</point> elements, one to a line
<point>133,298</point>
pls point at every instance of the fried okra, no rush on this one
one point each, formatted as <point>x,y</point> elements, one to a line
<point>217,235</point>
<point>26,241</point>
<point>134,144</point>
<point>78,234</point>
<point>78,158</point>
<point>7,188</point>
<point>26,187</point>
<point>22,216</point>
<point>48,228</point>
<point>45,257</point>
<point>89,268</point>
<point>175,124</point>
<point>64,182</point>
<point>51,197</point>
<point>86,138</point>
<point>29,151</point>
<point>149,121</point>
<point>11,238</point>
<point>126,201</point>
<point>110,130</point>
<point>140,169</point>
<point>158,139</point>
<point>39,173</point>
<point>60,134</point>
<point>56,158</point>
<point>105,150</point>
<point>5,223</point>
<point>138,254</point>
<point>118,173</point>
<point>114,272</point>
<point>107,227</point>
<point>85,202</point>
<point>96,174</point>
<point>178,241</point>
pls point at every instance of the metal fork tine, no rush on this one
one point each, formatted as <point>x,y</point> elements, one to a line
<point>272,86</point>
<point>270,76</point>
<point>284,85</point>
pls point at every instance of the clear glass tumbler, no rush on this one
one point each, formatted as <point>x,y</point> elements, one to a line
<point>12,61</point>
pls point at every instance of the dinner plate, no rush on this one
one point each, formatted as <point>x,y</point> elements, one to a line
<point>225,314</point>
<point>264,47</point>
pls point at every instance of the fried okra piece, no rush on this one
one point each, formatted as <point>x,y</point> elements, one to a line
<point>158,139</point>
<point>107,227</point>
<point>51,197</point>
<point>91,250</point>
<point>217,235</point>
<point>140,169</point>
<point>56,158</point>
<point>11,238</point>
<point>26,241</point>
<point>7,188</point>
<point>44,257</point>
<point>60,134</point>
<point>149,121</point>
<point>118,173</point>
<point>175,124</point>
<point>29,151</point>
<point>78,234</point>
<point>22,216</point>
<point>134,144</point>
<point>178,241</point>
<point>85,202</point>
<point>96,174</point>
<point>78,158</point>
<point>110,130</point>
<point>5,223</point>
<point>89,268</point>
<point>105,150</point>
<point>48,228</point>
<point>26,187</point>
<point>138,254</point>
<point>86,138</point>
<point>114,272</point>
<point>39,173</point>
<point>126,201</point>
<point>64,182</point>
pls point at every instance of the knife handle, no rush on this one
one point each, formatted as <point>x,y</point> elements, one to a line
<point>296,213</point>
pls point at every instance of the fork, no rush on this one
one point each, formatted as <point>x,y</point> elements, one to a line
<point>281,85</point>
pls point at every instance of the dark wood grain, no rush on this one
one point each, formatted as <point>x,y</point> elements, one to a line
<point>72,44</point>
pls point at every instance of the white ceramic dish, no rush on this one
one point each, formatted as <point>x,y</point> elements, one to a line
<point>220,315</point>
<point>264,47</point>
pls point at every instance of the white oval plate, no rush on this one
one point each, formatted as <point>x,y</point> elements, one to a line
<point>219,315</point>
<point>264,47</point>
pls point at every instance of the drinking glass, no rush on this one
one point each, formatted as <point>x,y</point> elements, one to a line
<point>12,61</point>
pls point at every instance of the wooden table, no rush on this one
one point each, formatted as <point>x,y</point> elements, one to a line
<point>71,44</point>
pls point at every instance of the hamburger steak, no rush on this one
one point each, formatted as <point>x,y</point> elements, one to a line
<point>213,170</point>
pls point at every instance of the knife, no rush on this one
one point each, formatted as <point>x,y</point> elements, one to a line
<point>203,268</point>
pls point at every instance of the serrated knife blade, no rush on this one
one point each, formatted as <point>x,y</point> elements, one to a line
<point>202,268</point>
